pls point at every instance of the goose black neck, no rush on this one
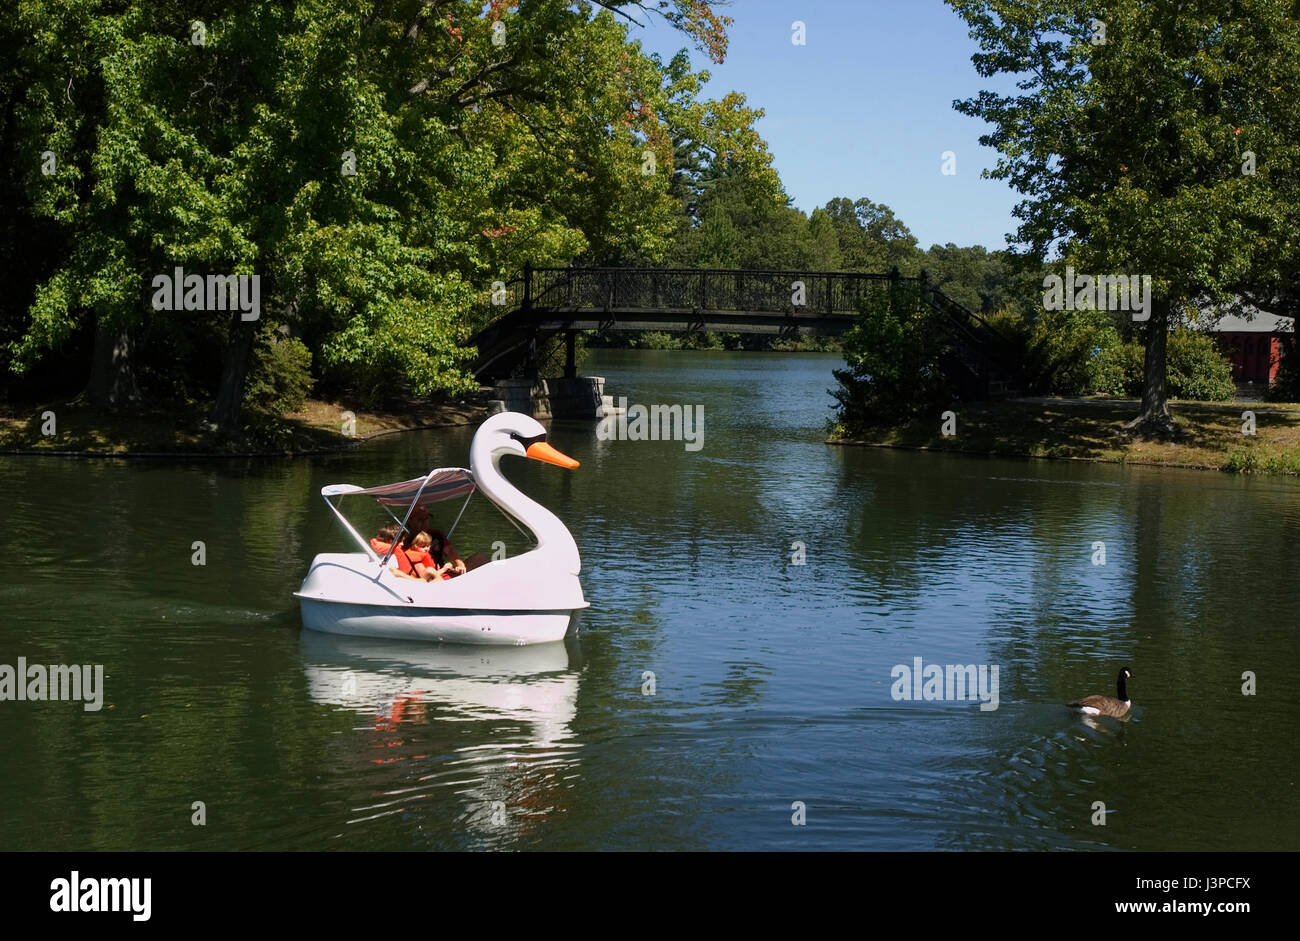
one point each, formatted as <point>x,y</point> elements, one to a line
<point>1123,689</point>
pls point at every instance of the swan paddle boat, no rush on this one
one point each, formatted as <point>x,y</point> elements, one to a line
<point>526,599</point>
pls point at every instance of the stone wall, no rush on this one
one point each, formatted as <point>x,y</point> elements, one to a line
<point>551,398</point>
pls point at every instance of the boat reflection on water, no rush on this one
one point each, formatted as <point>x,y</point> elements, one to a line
<point>480,735</point>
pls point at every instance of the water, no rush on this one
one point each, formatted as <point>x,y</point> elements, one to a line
<point>771,680</point>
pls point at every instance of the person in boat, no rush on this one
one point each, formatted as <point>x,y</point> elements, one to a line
<point>444,552</point>
<point>441,550</point>
<point>400,562</point>
<point>426,564</point>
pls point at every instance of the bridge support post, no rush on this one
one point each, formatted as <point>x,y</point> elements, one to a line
<point>570,354</point>
<point>577,397</point>
<point>530,366</point>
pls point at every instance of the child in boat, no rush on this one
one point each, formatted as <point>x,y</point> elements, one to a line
<point>399,561</point>
<point>453,563</point>
<point>432,567</point>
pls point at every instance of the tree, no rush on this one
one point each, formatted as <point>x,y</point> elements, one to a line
<point>1130,142</point>
<point>826,242</point>
<point>871,238</point>
<point>376,166</point>
<point>972,276</point>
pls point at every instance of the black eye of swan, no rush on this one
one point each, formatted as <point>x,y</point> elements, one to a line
<point>528,442</point>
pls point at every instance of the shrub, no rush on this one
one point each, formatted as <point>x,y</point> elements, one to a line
<point>654,340</point>
<point>1119,369</point>
<point>893,354</point>
<point>1196,368</point>
<point>280,377</point>
<point>1008,321</point>
<point>1072,352</point>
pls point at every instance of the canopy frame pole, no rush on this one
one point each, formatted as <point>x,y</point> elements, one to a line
<point>460,514</point>
<point>409,510</point>
<point>515,523</point>
<point>348,526</point>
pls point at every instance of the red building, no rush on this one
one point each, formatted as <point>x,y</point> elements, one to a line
<point>1254,346</point>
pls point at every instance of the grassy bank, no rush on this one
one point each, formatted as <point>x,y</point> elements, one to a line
<point>1209,434</point>
<point>181,429</point>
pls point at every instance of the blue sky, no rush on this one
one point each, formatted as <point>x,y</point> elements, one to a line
<point>865,108</point>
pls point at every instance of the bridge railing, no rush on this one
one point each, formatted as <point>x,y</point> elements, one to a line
<point>698,289</point>
<point>537,294</point>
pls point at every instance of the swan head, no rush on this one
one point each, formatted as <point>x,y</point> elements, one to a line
<point>518,434</point>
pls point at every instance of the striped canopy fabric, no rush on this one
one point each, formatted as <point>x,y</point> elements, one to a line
<point>445,483</point>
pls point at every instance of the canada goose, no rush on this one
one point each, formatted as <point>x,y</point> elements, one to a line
<point>1105,705</point>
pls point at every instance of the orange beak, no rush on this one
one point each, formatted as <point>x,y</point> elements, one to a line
<point>541,451</point>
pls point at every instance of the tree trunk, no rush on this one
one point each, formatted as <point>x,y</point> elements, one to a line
<point>1155,420</point>
<point>234,370</point>
<point>112,368</point>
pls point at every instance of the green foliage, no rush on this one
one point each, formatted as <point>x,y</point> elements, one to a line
<point>1080,352</point>
<point>1197,368</point>
<point>984,281</point>
<point>1012,324</point>
<point>660,340</point>
<point>870,238</point>
<point>1131,152</point>
<point>280,379</point>
<point>1250,461</point>
<point>1119,370</point>
<point>892,354</point>
<point>376,165</point>
<point>746,226</point>
<point>1070,353</point>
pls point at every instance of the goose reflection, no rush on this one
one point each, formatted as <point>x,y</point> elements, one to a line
<point>1106,725</point>
<point>483,731</point>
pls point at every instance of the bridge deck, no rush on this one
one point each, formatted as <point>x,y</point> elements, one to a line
<point>688,320</point>
<point>545,301</point>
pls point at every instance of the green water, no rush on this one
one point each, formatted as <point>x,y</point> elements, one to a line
<point>772,681</point>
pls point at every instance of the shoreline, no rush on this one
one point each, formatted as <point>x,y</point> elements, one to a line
<point>313,430</point>
<point>1211,435</point>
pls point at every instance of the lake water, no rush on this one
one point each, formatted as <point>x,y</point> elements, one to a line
<point>771,680</point>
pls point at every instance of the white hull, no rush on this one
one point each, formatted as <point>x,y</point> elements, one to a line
<point>447,625</point>
<point>342,595</point>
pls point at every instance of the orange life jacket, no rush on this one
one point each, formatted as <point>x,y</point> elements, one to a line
<point>403,563</point>
<point>423,557</point>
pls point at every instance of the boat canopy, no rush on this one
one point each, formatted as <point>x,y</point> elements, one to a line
<point>443,483</point>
